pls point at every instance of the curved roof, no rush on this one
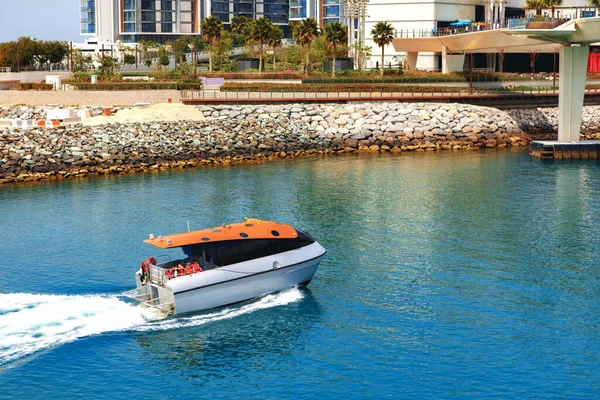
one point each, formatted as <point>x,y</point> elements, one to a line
<point>582,31</point>
<point>250,229</point>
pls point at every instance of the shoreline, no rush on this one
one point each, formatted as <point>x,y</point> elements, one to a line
<point>236,134</point>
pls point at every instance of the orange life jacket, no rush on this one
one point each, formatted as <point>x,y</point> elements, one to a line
<point>196,267</point>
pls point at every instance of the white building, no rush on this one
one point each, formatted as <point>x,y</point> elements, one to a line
<point>409,17</point>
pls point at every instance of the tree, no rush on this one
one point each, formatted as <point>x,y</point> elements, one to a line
<point>335,34</point>
<point>261,32</point>
<point>275,40</point>
<point>536,5</point>
<point>307,32</point>
<point>128,59</point>
<point>238,23</point>
<point>362,53</point>
<point>552,4</point>
<point>383,34</point>
<point>595,3</point>
<point>223,47</point>
<point>295,30</point>
<point>211,31</point>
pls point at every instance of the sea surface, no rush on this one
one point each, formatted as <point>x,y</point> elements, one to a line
<point>448,275</point>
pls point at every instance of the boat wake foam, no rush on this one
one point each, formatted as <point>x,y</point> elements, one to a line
<point>30,323</point>
<point>268,301</point>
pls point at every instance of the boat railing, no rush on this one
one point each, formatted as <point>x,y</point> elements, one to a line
<point>146,300</point>
<point>158,275</point>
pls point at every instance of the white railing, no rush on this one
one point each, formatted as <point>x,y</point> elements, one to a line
<point>5,70</point>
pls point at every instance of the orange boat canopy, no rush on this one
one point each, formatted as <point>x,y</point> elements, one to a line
<point>250,229</point>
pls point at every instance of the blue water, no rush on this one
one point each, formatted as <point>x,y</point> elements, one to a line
<point>453,275</point>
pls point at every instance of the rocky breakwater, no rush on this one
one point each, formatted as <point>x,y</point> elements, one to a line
<point>234,134</point>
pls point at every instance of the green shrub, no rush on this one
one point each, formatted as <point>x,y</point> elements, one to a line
<point>336,87</point>
<point>179,85</point>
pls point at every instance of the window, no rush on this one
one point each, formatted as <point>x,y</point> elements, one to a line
<point>231,252</point>
<point>149,27</point>
<point>148,16</point>
<point>129,16</point>
<point>166,27</point>
<point>148,5</point>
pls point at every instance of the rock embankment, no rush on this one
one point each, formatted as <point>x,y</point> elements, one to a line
<point>234,134</point>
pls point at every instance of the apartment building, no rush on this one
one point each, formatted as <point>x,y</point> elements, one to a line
<point>130,21</point>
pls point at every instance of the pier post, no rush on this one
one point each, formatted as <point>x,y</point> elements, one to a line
<point>411,59</point>
<point>444,59</point>
<point>571,86</point>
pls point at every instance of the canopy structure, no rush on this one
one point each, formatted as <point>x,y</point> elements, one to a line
<point>461,22</point>
<point>250,229</point>
<point>571,39</point>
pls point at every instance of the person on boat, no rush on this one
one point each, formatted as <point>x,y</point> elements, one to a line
<point>196,266</point>
<point>178,270</point>
<point>169,273</point>
<point>188,269</point>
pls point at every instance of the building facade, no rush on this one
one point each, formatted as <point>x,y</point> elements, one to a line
<point>130,21</point>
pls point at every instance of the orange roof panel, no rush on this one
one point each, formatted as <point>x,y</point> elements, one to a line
<point>250,229</point>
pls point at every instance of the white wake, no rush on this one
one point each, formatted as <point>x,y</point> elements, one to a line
<point>33,322</point>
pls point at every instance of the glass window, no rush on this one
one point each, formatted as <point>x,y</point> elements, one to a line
<point>166,27</point>
<point>149,27</point>
<point>297,12</point>
<point>129,16</point>
<point>166,17</point>
<point>148,16</point>
<point>129,27</point>
<point>129,5</point>
<point>148,5</point>
<point>332,11</point>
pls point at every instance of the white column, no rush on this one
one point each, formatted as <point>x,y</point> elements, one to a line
<point>571,89</point>
<point>411,59</point>
<point>444,59</point>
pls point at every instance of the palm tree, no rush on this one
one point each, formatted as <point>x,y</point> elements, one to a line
<point>335,34</point>
<point>552,4</point>
<point>536,5</point>
<point>211,31</point>
<point>295,30</point>
<point>275,40</point>
<point>383,34</point>
<point>261,32</point>
<point>307,32</point>
<point>238,23</point>
<point>595,3</point>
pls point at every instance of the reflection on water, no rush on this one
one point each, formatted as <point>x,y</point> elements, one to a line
<point>458,274</point>
<point>222,344</point>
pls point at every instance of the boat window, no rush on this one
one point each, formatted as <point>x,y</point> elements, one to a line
<point>274,233</point>
<point>231,252</point>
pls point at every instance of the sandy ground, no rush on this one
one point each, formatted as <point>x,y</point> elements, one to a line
<point>155,112</point>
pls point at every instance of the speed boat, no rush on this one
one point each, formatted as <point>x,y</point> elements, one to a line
<point>224,265</point>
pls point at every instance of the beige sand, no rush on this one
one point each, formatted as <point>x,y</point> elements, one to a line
<point>155,112</point>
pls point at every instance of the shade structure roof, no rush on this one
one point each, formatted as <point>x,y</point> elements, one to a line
<point>583,31</point>
<point>250,229</point>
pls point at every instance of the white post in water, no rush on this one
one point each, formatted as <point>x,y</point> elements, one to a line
<point>571,89</point>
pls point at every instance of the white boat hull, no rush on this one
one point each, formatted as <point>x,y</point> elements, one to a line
<point>235,283</point>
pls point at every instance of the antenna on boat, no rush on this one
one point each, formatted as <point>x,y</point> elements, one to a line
<point>188,222</point>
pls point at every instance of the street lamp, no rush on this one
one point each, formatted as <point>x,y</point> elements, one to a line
<point>356,9</point>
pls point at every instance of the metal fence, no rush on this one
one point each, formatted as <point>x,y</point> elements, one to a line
<point>366,95</point>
